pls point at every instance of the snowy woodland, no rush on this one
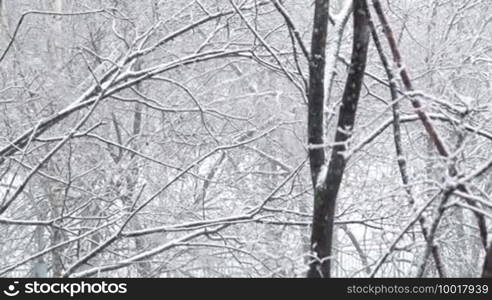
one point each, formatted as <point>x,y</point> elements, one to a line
<point>245,138</point>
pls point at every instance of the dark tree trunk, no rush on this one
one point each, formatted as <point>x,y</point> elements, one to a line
<point>487,266</point>
<point>316,96</point>
<point>327,185</point>
<point>316,92</point>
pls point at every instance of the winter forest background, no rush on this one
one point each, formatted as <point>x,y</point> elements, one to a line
<point>190,138</point>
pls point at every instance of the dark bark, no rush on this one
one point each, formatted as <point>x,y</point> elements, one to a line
<point>487,266</point>
<point>316,94</point>
<point>316,91</point>
<point>325,195</point>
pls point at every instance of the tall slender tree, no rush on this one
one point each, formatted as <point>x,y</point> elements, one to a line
<point>327,178</point>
